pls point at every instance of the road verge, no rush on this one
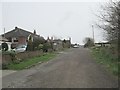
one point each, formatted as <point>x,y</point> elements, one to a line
<point>104,56</point>
<point>31,62</point>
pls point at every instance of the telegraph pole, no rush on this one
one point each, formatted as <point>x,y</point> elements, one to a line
<point>4,32</point>
<point>93,34</point>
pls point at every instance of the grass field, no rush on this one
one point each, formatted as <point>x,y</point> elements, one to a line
<point>106,57</point>
<point>31,61</point>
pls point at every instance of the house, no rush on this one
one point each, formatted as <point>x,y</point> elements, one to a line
<point>20,36</point>
<point>3,39</point>
<point>58,44</point>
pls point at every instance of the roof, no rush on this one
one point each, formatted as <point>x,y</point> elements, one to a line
<point>103,43</point>
<point>57,40</point>
<point>3,38</point>
<point>17,32</point>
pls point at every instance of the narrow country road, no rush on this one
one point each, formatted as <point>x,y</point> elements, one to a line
<point>73,68</point>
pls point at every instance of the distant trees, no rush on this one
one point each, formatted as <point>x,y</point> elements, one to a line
<point>88,42</point>
<point>110,21</point>
<point>66,43</point>
<point>37,42</point>
<point>46,46</point>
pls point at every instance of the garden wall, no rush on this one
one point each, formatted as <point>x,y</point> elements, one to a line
<point>7,58</point>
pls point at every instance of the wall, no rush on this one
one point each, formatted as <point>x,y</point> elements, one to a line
<point>22,40</point>
<point>6,58</point>
<point>23,56</point>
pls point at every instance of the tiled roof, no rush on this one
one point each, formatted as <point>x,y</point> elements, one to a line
<point>17,32</point>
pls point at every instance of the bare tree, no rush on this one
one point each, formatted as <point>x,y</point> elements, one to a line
<point>88,42</point>
<point>110,18</point>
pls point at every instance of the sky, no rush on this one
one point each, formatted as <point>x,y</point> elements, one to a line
<point>62,19</point>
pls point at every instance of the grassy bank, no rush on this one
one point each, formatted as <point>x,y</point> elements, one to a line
<point>31,61</point>
<point>107,57</point>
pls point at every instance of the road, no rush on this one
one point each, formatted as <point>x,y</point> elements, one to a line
<point>73,68</point>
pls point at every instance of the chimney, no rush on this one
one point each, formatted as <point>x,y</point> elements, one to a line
<point>52,38</point>
<point>16,27</point>
<point>48,38</point>
<point>34,32</point>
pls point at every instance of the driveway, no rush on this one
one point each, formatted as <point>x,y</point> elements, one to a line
<point>73,68</point>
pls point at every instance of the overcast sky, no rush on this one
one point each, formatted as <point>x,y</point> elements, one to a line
<point>58,19</point>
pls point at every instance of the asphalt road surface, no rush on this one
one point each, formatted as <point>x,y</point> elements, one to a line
<point>73,68</point>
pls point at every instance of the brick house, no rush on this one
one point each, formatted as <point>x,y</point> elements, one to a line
<point>19,36</point>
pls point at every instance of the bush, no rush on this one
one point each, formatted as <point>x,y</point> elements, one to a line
<point>105,56</point>
<point>12,54</point>
<point>40,47</point>
<point>89,42</point>
<point>4,66</point>
<point>29,46</point>
<point>46,46</point>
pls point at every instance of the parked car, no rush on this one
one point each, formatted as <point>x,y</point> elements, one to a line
<point>20,48</point>
<point>75,46</point>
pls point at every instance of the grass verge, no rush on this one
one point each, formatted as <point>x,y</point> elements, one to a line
<point>104,56</point>
<point>31,61</point>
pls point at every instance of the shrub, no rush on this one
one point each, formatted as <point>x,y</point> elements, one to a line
<point>40,46</point>
<point>4,66</point>
<point>12,54</point>
<point>46,46</point>
<point>89,42</point>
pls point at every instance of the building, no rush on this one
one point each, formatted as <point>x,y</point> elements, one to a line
<point>20,36</point>
<point>103,44</point>
<point>3,39</point>
<point>59,44</point>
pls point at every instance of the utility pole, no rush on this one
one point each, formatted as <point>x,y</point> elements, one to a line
<point>4,32</point>
<point>93,34</point>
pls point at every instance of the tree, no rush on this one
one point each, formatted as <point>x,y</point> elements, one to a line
<point>34,42</point>
<point>30,43</point>
<point>88,42</point>
<point>110,20</point>
<point>110,23</point>
<point>46,46</point>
